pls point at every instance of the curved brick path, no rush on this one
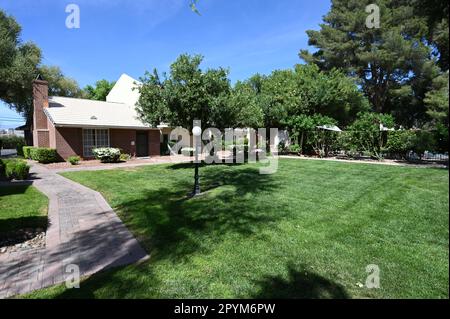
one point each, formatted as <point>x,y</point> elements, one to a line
<point>83,230</point>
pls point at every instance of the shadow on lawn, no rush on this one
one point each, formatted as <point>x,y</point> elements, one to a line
<point>300,283</point>
<point>9,226</point>
<point>171,225</point>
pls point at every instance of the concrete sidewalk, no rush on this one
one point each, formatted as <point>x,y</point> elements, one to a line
<point>83,231</point>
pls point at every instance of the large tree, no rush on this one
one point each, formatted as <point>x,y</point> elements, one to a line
<point>188,93</point>
<point>305,91</point>
<point>391,62</point>
<point>436,13</point>
<point>20,64</point>
<point>437,101</point>
<point>59,84</point>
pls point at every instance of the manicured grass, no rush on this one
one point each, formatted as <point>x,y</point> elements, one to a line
<point>307,231</point>
<point>21,207</point>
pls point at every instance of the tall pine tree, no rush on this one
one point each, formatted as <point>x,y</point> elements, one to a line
<point>393,63</point>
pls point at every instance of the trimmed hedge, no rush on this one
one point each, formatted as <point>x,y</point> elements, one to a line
<point>26,151</point>
<point>14,169</point>
<point>44,155</point>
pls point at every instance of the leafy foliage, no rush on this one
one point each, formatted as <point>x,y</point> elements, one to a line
<point>74,160</point>
<point>392,62</point>
<point>188,94</point>
<point>99,91</point>
<point>59,84</point>
<point>400,142</point>
<point>12,142</point>
<point>27,151</point>
<point>20,64</point>
<point>365,134</point>
<point>44,155</point>
<point>437,108</point>
<point>14,169</point>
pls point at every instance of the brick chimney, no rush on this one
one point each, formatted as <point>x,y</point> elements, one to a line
<point>40,102</point>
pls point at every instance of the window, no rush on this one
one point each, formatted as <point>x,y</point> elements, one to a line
<point>94,139</point>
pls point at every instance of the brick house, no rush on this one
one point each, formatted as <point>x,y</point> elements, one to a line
<point>76,126</point>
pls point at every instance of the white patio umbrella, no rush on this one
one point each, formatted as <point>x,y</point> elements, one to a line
<point>333,128</point>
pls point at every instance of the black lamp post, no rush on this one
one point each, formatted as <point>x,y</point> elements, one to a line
<point>196,131</point>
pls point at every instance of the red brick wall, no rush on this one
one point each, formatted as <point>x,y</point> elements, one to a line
<point>122,139</point>
<point>69,141</point>
<point>43,138</point>
<point>40,101</point>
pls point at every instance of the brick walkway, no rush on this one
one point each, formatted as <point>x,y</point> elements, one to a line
<point>83,230</point>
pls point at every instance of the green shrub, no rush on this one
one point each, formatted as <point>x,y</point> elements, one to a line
<point>26,151</point>
<point>73,160</point>
<point>400,142</point>
<point>294,148</point>
<point>365,135</point>
<point>125,157</point>
<point>423,141</point>
<point>44,155</point>
<point>16,169</point>
<point>107,154</point>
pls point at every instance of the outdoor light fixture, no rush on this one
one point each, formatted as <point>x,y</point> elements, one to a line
<point>196,131</point>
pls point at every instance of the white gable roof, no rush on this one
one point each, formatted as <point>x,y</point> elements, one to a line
<point>123,92</point>
<point>70,112</point>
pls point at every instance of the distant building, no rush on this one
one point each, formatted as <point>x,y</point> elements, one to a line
<point>11,132</point>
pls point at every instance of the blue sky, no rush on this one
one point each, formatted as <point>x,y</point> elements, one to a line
<point>132,36</point>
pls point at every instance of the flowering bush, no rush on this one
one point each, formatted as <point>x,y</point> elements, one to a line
<point>107,154</point>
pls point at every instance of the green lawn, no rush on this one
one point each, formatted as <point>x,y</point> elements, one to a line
<point>308,231</point>
<point>21,206</point>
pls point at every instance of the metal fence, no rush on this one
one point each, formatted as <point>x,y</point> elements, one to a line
<point>428,156</point>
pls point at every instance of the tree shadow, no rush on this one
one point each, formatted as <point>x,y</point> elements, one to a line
<point>172,225</point>
<point>9,227</point>
<point>300,284</point>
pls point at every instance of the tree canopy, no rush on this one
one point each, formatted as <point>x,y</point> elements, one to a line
<point>20,64</point>
<point>99,91</point>
<point>188,93</point>
<point>394,64</point>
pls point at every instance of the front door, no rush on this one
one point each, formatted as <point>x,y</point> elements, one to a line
<point>141,143</point>
<point>164,148</point>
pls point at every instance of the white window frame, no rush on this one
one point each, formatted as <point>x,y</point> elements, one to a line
<point>96,144</point>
